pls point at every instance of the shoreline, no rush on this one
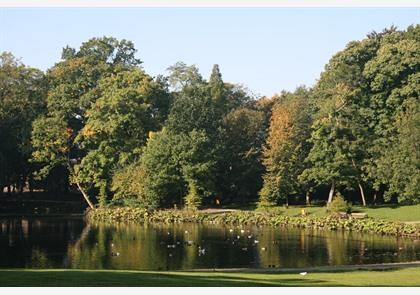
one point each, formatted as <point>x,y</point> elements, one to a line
<point>366,225</point>
<point>237,217</point>
<point>326,268</point>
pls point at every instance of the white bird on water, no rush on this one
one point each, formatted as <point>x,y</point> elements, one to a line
<point>303,273</point>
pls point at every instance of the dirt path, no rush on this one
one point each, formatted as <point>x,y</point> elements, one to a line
<point>412,222</point>
<point>216,210</point>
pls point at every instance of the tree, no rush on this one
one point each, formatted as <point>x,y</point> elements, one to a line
<point>130,104</point>
<point>22,98</point>
<point>128,186</point>
<point>341,129</point>
<point>394,85</point>
<point>204,107</point>
<point>217,88</point>
<point>72,91</point>
<point>286,147</point>
<point>362,91</point>
<point>181,76</point>
<point>193,109</point>
<point>178,168</point>
<point>399,164</point>
<point>241,167</point>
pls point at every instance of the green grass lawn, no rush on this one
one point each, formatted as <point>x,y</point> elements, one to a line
<point>390,277</point>
<point>399,213</point>
<point>391,213</point>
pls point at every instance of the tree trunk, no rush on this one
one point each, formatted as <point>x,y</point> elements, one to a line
<point>331,194</point>
<point>308,200</point>
<point>79,186</point>
<point>362,193</point>
<point>374,197</point>
<point>84,195</point>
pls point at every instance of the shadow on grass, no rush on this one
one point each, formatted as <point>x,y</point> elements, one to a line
<point>28,278</point>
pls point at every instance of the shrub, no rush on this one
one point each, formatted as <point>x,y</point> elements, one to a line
<point>339,205</point>
<point>192,199</point>
<point>129,188</point>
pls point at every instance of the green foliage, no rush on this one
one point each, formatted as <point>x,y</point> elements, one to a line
<point>192,199</point>
<point>193,109</point>
<point>399,164</point>
<point>117,133</point>
<point>394,85</point>
<point>118,214</point>
<point>339,205</point>
<point>183,76</point>
<point>268,218</point>
<point>241,166</point>
<point>360,97</point>
<point>178,166</point>
<point>22,99</point>
<point>101,107</point>
<point>129,106</point>
<point>51,153</point>
<point>286,147</point>
<point>72,91</point>
<point>128,186</point>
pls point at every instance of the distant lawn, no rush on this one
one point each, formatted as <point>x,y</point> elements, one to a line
<point>400,213</point>
<point>311,210</point>
<point>387,212</point>
<point>391,277</point>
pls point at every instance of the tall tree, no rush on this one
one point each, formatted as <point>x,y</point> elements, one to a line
<point>72,90</point>
<point>178,168</point>
<point>393,80</point>
<point>217,88</point>
<point>286,147</point>
<point>130,105</point>
<point>241,166</point>
<point>182,76</point>
<point>22,99</point>
<point>399,163</point>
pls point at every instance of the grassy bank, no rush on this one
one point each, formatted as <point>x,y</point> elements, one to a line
<point>383,277</point>
<point>385,212</point>
<point>269,218</point>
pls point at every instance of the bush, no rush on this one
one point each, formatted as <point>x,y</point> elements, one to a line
<point>193,199</point>
<point>129,188</point>
<point>272,210</point>
<point>339,205</point>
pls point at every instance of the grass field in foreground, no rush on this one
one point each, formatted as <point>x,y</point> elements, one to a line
<point>390,277</point>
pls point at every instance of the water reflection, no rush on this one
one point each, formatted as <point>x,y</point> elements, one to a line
<point>70,243</point>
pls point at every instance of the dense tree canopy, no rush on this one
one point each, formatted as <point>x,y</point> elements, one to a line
<point>22,99</point>
<point>103,106</point>
<point>98,121</point>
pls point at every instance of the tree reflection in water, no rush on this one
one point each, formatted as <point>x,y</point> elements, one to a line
<point>71,243</point>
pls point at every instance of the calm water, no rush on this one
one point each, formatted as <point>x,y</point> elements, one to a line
<point>71,243</point>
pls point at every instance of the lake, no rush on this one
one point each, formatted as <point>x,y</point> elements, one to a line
<point>72,243</point>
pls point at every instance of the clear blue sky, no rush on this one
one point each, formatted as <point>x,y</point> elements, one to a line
<point>266,50</point>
